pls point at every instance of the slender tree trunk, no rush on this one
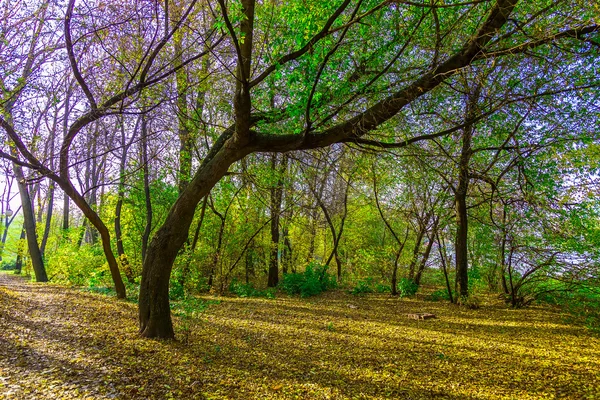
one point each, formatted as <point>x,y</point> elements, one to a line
<point>65,219</point>
<point>441,247</point>
<point>276,200</point>
<point>29,225</point>
<point>502,269</point>
<point>119,207</point>
<point>425,258</point>
<point>146,172</point>
<point>286,256</point>
<point>48,223</point>
<point>417,247</point>
<point>19,261</point>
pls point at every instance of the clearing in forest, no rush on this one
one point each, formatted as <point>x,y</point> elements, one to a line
<point>60,343</point>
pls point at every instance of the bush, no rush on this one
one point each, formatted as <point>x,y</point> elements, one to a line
<point>248,290</point>
<point>407,287</point>
<point>8,265</point>
<point>383,288</point>
<point>176,290</point>
<point>312,281</point>
<point>79,266</point>
<point>362,287</point>
<point>473,302</point>
<point>581,302</point>
<point>439,295</point>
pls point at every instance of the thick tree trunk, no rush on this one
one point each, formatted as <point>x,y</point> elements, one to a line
<point>460,200</point>
<point>154,312</point>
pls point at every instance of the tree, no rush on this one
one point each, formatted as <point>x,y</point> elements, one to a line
<point>250,131</point>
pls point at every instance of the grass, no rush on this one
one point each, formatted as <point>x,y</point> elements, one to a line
<point>61,343</point>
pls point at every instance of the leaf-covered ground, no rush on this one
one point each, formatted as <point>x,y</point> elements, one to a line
<point>59,343</point>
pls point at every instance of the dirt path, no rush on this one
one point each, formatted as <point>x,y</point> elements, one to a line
<point>60,343</point>
<point>46,348</point>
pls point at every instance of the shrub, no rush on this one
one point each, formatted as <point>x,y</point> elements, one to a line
<point>382,288</point>
<point>79,266</point>
<point>248,290</point>
<point>473,302</point>
<point>362,287</point>
<point>439,295</point>
<point>8,265</point>
<point>176,290</point>
<point>407,287</point>
<point>312,281</point>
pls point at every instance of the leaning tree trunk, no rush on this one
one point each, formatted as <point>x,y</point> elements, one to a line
<point>154,312</point>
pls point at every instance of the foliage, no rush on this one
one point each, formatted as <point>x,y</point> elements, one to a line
<point>582,301</point>
<point>439,295</point>
<point>248,290</point>
<point>407,287</point>
<point>79,265</point>
<point>314,280</point>
<point>8,265</point>
<point>472,301</point>
<point>363,286</point>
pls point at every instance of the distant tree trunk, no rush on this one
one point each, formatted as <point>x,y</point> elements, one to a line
<point>146,172</point>
<point>29,225</point>
<point>19,261</point>
<point>48,223</point>
<point>425,258</point>
<point>217,254</point>
<point>503,241</point>
<point>119,206</point>
<point>286,256</point>
<point>401,243</point>
<point>276,200</point>
<point>443,258</point>
<point>186,269</point>
<point>417,247</point>
<point>65,223</point>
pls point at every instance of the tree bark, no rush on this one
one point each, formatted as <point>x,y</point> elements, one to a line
<point>154,312</point>
<point>19,261</point>
<point>119,206</point>
<point>276,200</point>
<point>147,198</point>
<point>460,200</point>
<point>29,226</point>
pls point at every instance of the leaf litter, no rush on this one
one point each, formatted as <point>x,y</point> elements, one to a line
<point>61,343</point>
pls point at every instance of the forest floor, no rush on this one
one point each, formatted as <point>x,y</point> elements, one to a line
<point>61,343</point>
